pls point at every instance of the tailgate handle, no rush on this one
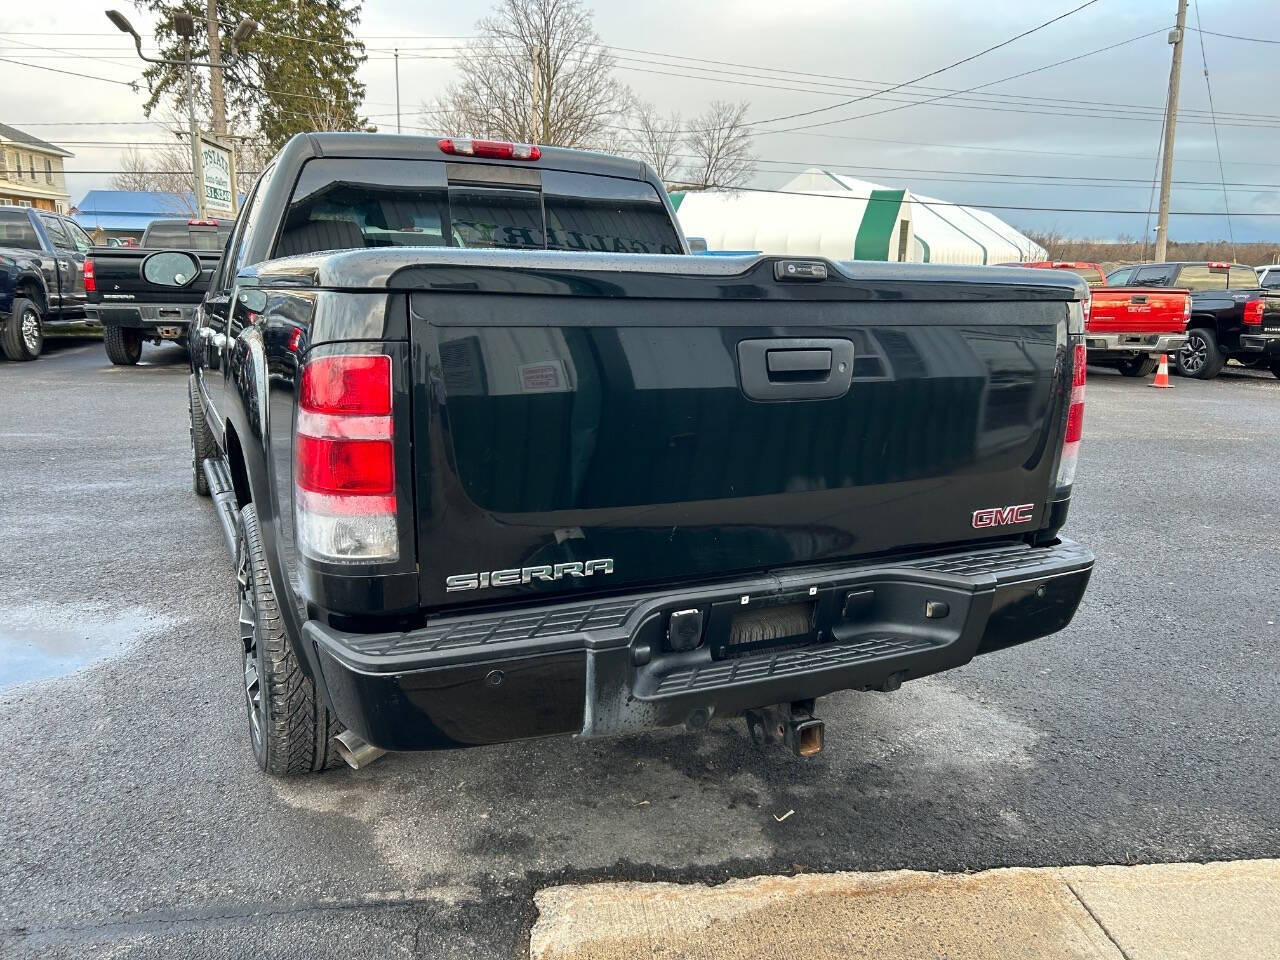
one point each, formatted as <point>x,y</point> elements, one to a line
<point>1138,298</point>
<point>813,362</point>
<point>795,369</point>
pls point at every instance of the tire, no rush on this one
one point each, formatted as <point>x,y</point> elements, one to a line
<point>202,447</point>
<point>24,333</point>
<point>1201,358</point>
<point>1139,366</point>
<point>1275,366</point>
<point>124,346</point>
<point>290,731</point>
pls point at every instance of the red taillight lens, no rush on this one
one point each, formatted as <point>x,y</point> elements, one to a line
<point>90,277</point>
<point>1075,420</point>
<point>344,460</point>
<point>1253,312</point>
<point>340,466</point>
<point>358,385</point>
<point>492,149</point>
<point>1086,308</point>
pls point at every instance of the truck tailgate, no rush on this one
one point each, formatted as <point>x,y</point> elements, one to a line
<point>1138,310</point>
<point>676,428</point>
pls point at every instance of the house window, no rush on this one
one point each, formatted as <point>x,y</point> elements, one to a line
<point>4,164</point>
<point>48,170</point>
<point>60,206</point>
<point>24,203</point>
<point>31,165</point>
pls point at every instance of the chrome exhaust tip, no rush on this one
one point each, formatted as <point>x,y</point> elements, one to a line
<point>356,752</point>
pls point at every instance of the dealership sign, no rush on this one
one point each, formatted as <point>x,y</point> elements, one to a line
<point>215,166</point>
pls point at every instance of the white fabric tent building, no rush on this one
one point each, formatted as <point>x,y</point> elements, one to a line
<point>831,215</point>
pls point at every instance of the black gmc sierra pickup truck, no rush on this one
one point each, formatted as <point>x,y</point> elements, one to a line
<point>506,462</point>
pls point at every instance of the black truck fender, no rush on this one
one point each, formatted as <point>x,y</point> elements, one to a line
<point>22,280</point>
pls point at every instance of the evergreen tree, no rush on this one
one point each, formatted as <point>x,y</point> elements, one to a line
<point>297,73</point>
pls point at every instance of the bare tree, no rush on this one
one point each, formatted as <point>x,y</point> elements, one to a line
<point>538,72</point>
<point>135,172</point>
<point>720,141</point>
<point>658,140</point>
<point>167,170</point>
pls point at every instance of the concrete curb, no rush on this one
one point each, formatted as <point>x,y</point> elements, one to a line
<point>1221,911</point>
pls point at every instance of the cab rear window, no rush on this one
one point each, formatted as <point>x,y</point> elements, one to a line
<point>1203,276</point>
<point>341,204</point>
<point>166,234</point>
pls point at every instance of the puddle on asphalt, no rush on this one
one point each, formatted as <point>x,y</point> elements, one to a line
<point>39,643</point>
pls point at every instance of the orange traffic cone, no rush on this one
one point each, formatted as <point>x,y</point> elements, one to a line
<point>1162,374</point>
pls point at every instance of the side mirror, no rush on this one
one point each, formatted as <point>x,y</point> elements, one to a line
<point>697,244</point>
<point>171,268</point>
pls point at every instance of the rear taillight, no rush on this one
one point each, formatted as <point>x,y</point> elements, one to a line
<point>344,460</point>
<point>1086,309</point>
<point>1075,420</point>
<point>90,278</point>
<point>492,149</point>
<point>1253,312</point>
<point>1186,309</point>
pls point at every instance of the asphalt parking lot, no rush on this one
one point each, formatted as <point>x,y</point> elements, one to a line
<point>137,825</point>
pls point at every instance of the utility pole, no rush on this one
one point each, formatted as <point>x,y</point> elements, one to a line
<point>1170,120</point>
<point>397,53</point>
<point>216,89</point>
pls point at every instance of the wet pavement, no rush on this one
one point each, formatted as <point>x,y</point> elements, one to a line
<point>136,824</point>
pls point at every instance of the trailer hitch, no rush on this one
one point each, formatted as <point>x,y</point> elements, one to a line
<point>791,724</point>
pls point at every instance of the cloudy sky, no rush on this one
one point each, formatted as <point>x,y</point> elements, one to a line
<point>1079,135</point>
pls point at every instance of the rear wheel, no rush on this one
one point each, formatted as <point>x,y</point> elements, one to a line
<point>1201,357</point>
<point>1275,366</point>
<point>290,731</point>
<point>124,346</point>
<point>201,439</point>
<point>24,333</point>
<point>1139,366</point>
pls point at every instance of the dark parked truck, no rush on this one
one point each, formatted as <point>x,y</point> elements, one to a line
<point>42,285</point>
<point>132,290</point>
<point>1232,317</point>
<point>139,295</point>
<point>482,485</point>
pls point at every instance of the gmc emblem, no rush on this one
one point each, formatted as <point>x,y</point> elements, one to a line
<point>1003,516</point>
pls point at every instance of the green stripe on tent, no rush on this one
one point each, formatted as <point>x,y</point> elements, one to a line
<point>875,233</point>
<point>677,198</point>
<point>926,249</point>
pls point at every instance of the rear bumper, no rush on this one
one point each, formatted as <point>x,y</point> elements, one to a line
<point>1266,344</point>
<point>145,316</point>
<point>1135,343</point>
<point>602,667</point>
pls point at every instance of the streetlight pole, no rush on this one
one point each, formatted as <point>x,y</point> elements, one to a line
<point>193,132</point>
<point>184,26</point>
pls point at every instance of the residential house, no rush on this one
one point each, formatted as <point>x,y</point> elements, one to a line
<point>31,173</point>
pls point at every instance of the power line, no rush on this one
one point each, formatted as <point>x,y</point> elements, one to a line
<point>989,83</point>
<point>1234,36</point>
<point>932,73</point>
<point>1226,203</point>
<point>71,73</point>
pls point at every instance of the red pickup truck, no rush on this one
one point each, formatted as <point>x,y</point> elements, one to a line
<point>1128,327</point>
